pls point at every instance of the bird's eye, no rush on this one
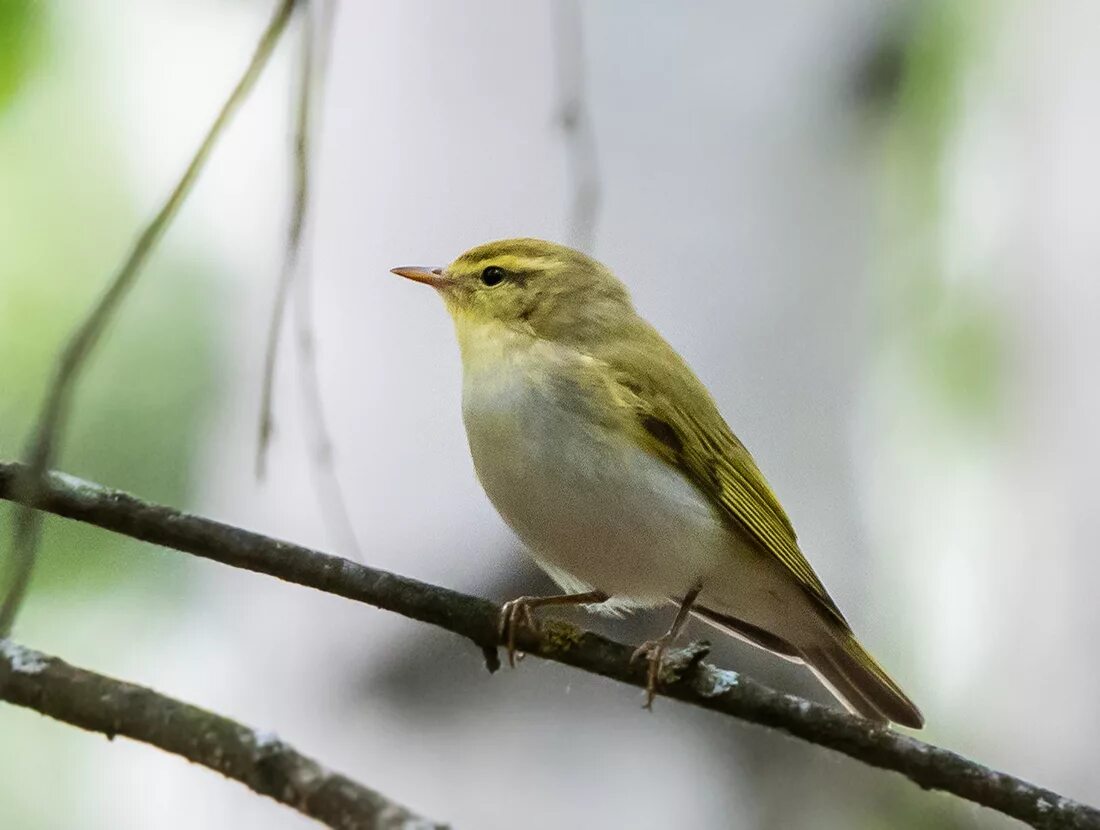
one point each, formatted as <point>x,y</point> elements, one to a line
<point>493,275</point>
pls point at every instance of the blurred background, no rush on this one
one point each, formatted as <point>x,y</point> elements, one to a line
<point>869,226</point>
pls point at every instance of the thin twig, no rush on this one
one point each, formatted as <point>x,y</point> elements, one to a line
<point>696,682</point>
<point>259,760</point>
<point>330,494</point>
<point>296,274</point>
<point>582,159</point>
<point>53,416</point>
<point>294,241</point>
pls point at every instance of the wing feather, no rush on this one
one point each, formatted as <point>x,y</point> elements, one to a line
<point>674,417</point>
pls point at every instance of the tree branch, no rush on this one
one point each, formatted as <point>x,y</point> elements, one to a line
<point>692,681</point>
<point>53,415</point>
<point>259,760</point>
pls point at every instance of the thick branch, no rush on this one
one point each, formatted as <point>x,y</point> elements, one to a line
<point>259,760</point>
<point>697,682</point>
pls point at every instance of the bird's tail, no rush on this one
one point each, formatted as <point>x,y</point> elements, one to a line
<point>839,662</point>
<point>852,674</point>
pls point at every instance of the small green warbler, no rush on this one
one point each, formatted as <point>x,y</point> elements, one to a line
<point>609,459</point>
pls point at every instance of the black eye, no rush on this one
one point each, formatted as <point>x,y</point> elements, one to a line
<point>493,275</point>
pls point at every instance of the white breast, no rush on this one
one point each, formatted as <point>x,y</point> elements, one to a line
<point>595,510</point>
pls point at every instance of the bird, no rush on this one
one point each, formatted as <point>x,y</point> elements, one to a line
<point>610,460</point>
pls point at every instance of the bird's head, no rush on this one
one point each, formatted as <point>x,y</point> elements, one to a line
<point>534,287</point>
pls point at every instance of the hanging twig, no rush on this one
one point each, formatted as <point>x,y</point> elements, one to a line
<point>301,155</point>
<point>260,760</point>
<point>582,160</point>
<point>330,494</point>
<point>296,274</point>
<point>53,416</point>
<point>692,681</point>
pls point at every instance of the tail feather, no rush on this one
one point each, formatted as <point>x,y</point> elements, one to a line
<point>858,681</point>
<point>749,633</point>
<point>841,664</point>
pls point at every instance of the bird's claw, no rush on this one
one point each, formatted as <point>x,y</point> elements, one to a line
<point>514,613</point>
<point>654,653</point>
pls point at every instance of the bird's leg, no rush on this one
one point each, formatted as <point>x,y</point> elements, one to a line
<point>518,611</point>
<point>654,650</point>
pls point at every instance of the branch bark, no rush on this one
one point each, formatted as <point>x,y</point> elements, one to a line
<point>259,760</point>
<point>691,680</point>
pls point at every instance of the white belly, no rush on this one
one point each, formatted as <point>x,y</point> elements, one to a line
<point>596,511</point>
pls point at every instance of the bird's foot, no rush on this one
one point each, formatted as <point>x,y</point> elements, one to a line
<point>514,613</point>
<point>654,653</point>
<point>517,612</point>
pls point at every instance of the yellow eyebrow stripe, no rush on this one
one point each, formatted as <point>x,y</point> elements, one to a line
<point>509,262</point>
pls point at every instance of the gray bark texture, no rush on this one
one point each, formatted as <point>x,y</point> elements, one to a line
<point>259,760</point>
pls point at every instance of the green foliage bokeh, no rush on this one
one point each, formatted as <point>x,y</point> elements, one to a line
<point>66,220</point>
<point>21,28</point>
<point>952,338</point>
<point>68,214</point>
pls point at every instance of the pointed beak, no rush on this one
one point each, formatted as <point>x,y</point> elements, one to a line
<point>420,273</point>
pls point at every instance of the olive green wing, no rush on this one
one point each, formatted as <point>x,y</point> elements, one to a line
<point>673,416</point>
